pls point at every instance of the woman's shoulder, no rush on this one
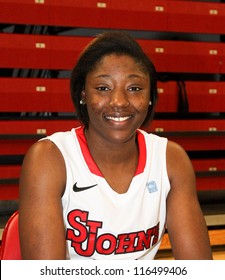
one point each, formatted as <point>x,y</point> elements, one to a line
<point>179,165</point>
<point>152,138</point>
<point>43,165</point>
<point>42,151</point>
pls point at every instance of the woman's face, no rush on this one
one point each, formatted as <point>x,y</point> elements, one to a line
<point>117,95</point>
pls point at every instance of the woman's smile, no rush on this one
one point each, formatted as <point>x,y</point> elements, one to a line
<point>118,119</point>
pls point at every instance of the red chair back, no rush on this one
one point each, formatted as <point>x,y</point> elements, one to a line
<point>10,245</point>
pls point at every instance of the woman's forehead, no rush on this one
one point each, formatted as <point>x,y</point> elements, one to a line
<point>115,61</point>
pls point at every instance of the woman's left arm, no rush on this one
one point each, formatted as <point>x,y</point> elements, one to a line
<point>185,221</point>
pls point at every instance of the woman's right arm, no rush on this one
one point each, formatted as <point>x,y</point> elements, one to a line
<point>42,183</point>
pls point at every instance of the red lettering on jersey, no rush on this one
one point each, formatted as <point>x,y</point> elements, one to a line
<point>148,239</point>
<point>126,243</point>
<point>106,244</point>
<point>86,241</point>
<point>72,216</point>
<point>84,233</point>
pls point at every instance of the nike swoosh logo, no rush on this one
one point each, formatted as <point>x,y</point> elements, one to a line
<point>76,189</point>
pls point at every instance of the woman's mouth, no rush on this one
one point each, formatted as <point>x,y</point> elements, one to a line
<point>118,119</point>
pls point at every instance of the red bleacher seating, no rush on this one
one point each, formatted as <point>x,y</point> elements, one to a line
<point>35,95</point>
<point>211,165</point>
<point>40,51</point>
<point>183,56</point>
<point>15,139</point>
<point>61,52</point>
<point>154,15</point>
<point>18,135</point>
<point>192,135</point>
<point>196,17</point>
<point>202,96</point>
<point>9,175</point>
<point>206,96</point>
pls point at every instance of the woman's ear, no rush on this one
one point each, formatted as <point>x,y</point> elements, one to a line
<point>82,101</point>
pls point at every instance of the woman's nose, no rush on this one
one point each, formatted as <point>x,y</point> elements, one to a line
<point>119,98</point>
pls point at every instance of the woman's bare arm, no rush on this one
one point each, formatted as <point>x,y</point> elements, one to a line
<point>42,184</point>
<point>185,222</point>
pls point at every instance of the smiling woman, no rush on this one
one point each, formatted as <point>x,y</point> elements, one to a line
<point>108,189</point>
<point>117,96</point>
<point>108,44</point>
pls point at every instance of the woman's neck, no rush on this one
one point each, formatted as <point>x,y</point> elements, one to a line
<point>106,151</point>
<point>116,161</point>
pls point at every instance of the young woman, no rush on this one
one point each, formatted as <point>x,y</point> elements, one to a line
<point>108,189</point>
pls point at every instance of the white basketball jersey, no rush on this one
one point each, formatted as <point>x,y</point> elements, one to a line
<point>99,222</point>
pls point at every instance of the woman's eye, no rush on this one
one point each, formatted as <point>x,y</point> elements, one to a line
<point>102,88</point>
<point>134,89</point>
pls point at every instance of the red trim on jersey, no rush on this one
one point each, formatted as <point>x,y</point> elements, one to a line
<point>86,152</point>
<point>90,161</point>
<point>142,153</point>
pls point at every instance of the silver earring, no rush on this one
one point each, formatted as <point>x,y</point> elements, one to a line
<point>82,102</point>
<point>150,103</point>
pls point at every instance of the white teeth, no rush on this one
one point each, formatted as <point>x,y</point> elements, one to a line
<point>118,119</point>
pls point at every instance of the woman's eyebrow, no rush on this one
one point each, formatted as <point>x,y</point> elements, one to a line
<point>137,76</point>
<point>102,76</point>
<point>130,76</point>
